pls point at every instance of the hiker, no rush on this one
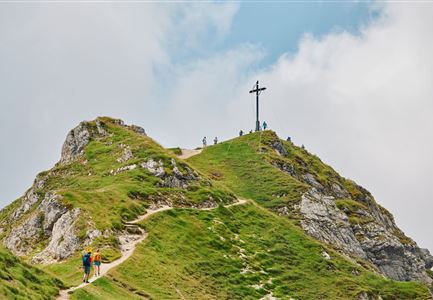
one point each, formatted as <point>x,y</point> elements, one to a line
<point>204,142</point>
<point>265,125</point>
<point>215,140</point>
<point>289,139</point>
<point>87,263</point>
<point>241,133</point>
<point>303,147</point>
<point>97,262</point>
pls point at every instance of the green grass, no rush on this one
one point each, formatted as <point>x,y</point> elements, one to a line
<point>19,280</point>
<point>241,164</point>
<point>202,254</point>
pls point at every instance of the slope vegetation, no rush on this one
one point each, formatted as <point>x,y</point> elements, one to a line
<point>19,280</point>
<point>293,182</point>
<point>243,252</point>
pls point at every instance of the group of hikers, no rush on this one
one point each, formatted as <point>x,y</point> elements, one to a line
<point>89,259</point>
<point>241,133</point>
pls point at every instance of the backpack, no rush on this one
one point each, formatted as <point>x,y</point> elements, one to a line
<point>97,257</point>
<point>87,260</point>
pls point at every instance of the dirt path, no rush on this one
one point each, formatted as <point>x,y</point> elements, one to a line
<point>128,248</point>
<point>187,153</point>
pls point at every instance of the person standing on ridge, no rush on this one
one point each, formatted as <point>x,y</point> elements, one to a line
<point>204,142</point>
<point>215,140</point>
<point>87,263</point>
<point>97,262</point>
<point>265,125</point>
<point>241,133</point>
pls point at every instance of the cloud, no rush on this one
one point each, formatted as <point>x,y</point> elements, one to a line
<point>362,102</point>
<point>66,62</point>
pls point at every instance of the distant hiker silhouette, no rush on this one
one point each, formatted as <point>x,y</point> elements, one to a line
<point>241,133</point>
<point>215,140</point>
<point>87,263</point>
<point>289,139</point>
<point>265,125</point>
<point>204,142</point>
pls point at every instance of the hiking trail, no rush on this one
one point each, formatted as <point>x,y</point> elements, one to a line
<point>128,248</point>
<point>187,153</point>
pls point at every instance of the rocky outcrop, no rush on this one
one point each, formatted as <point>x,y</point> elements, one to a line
<point>78,138</point>
<point>30,198</point>
<point>178,179</point>
<point>53,222</point>
<point>155,168</point>
<point>324,221</point>
<point>365,232</point>
<point>63,242</point>
<point>23,238</point>
<point>126,154</point>
<point>75,142</point>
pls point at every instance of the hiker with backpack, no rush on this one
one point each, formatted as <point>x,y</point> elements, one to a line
<point>97,263</point>
<point>87,263</point>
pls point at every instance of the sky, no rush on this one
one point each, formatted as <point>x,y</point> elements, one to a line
<point>352,81</point>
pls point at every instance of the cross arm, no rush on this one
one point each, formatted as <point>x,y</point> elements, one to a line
<point>257,90</point>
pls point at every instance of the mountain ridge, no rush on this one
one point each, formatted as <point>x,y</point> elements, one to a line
<point>111,173</point>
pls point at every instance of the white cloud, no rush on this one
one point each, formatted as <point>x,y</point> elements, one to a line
<point>364,104</point>
<point>361,102</point>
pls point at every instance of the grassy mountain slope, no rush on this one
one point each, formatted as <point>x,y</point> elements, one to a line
<point>115,173</point>
<point>19,280</point>
<point>108,191</point>
<point>243,252</point>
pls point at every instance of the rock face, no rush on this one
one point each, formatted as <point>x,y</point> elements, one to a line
<point>78,138</point>
<point>50,220</point>
<point>75,142</point>
<point>41,218</point>
<point>373,236</point>
<point>345,215</point>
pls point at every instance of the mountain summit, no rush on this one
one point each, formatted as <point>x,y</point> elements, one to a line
<point>305,232</point>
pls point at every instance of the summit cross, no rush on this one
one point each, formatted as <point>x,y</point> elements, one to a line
<point>257,90</point>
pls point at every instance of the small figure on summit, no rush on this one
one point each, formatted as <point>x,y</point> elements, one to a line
<point>289,139</point>
<point>204,142</point>
<point>265,125</point>
<point>215,140</point>
<point>241,133</point>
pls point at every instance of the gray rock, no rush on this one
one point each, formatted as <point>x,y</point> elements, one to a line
<point>311,180</point>
<point>378,240</point>
<point>23,238</point>
<point>100,128</point>
<point>155,168</point>
<point>126,155</point>
<point>123,169</point>
<point>63,242</point>
<point>138,130</point>
<point>52,211</point>
<point>178,179</point>
<point>75,142</point>
<point>285,167</point>
<point>278,146</point>
<point>30,198</point>
<point>325,222</point>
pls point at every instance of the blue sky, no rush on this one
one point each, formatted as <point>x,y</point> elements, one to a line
<point>277,27</point>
